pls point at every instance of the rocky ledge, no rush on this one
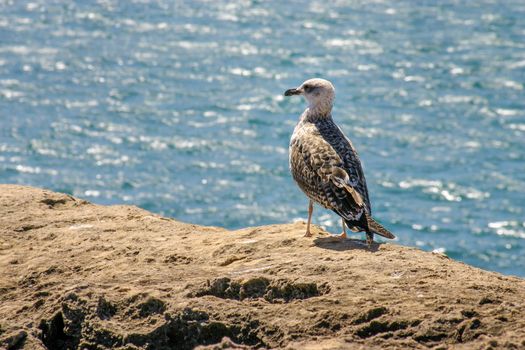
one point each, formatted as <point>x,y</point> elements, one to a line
<point>78,275</point>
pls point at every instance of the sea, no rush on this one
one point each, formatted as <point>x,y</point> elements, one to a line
<point>177,107</point>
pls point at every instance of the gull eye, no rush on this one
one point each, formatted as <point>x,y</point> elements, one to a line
<point>307,88</point>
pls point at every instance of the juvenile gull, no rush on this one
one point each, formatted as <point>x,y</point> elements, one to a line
<point>325,164</point>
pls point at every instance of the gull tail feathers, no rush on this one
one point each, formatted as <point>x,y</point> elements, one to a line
<point>376,227</point>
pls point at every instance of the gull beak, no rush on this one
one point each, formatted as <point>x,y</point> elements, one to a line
<point>291,92</point>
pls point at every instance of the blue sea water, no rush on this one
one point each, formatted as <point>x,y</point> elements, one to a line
<point>177,107</point>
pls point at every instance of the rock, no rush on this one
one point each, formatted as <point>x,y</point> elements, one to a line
<point>13,340</point>
<point>226,343</point>
<point>78,275</point>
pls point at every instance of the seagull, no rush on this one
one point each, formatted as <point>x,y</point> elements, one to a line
<point>326,166</point>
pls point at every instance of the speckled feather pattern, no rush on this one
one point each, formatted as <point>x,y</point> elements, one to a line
<point>327,168</point>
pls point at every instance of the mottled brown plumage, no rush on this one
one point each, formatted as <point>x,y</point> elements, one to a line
<point>325,164</point>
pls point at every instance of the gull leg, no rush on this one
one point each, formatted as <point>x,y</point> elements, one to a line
<point>369,239</point>
<point>310,211</point>
<point>343,234</point>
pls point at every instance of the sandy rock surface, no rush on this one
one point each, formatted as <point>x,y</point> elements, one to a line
<point>78,275</point>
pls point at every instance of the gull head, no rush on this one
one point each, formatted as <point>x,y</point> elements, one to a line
<point>319,93</point>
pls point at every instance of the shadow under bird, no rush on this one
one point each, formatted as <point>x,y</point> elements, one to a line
<point>326,166</point>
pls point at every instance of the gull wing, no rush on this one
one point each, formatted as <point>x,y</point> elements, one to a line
<point>351,163</point>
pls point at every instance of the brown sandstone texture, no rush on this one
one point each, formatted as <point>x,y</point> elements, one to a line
<point>75,275</point>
